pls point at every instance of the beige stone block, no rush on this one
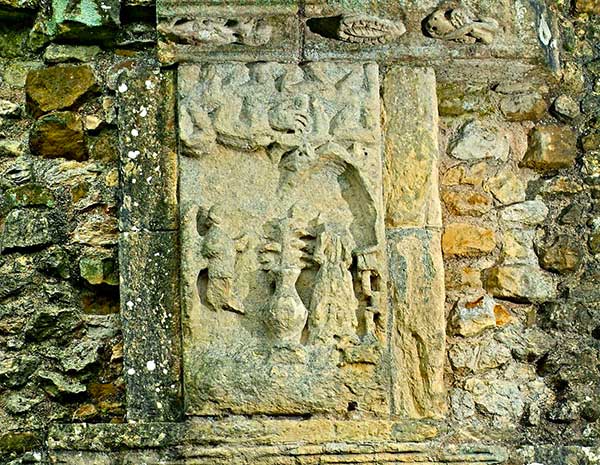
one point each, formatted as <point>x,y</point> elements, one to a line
<point>418,337</point>
<point>551,148</point>
<point>411,148</point>
<point>463,239</point>
<point>522,283</point>
<point>467,202</point>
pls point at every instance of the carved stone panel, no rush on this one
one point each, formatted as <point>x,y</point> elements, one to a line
<point>283,266</point>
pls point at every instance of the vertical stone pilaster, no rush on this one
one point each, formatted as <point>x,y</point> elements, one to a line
<point>149,243</point>
<point>413,222</point>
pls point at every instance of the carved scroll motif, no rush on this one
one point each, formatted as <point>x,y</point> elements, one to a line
<point>459,25</point>
<point>218,31</point>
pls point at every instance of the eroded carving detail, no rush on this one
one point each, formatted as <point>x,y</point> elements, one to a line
<point>218,31</point>
<point>306,281</point>
<point>460,25</point>
<point>357,28</point>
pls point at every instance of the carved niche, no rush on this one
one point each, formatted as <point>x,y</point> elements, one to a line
<point>283,248</point>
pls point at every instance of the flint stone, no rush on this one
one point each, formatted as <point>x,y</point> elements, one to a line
<point>566,108</point>
<point>529,213</point>
<point>550,148</point>
<point>522,283</point>
<point>30,228</point>
<point>479,358</point>
<point>563,256</point>
<point>58,87</point>
<point>60,384</point>
<point>58,53</point>
<point>59,135</point>
<point>496,397</point>
<point>476,141</point>
<point>52,321</point>
<point>8,108</point>
<point>10,148</point>
<point>472,318</point>
<point>462,239</point>
<point>91,19</point>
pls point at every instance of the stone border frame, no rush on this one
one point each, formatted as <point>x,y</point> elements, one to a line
<point>149,242</point>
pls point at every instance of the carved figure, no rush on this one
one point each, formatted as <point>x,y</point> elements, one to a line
<point>220,250</point>
<point>363,29</point>
<point>461,26</point>
<point>219,31</point>
<point>333,305</point>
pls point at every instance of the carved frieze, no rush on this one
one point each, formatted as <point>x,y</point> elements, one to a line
<point>282,238</point>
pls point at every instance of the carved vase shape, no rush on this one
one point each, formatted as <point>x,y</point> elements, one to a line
<point>287,313</point>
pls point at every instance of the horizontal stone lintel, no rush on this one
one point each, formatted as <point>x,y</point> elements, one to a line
<point>264,442</point>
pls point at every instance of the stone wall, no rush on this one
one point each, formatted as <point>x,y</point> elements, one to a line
<point>519,170</point>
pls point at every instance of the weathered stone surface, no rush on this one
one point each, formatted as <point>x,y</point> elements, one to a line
<point>52,321</point>
<point>58,87</point>
<point>472,175</point>
<point>150,310</point>
<point>475,141</point>
<point>293,267</point>
<point>8,108</point>
<point>587,6</point>
<point>458,98</point>
<point>524,107</point>
<point>59,53</point>
<point>467,202</point>
<point>551,148</point>
<point>58,135</point>
<point>476,359</point>
<point>520,283</point>
<point>463,278</point>
<point>566,108</point>
<point>11,148</point>
<point>496,397</point>
<point>463,239</point>
<point>418,343</point>
<point>99,270</point>
<point>148,151</point>
<point>56,384</point>
<point>30,228</point>
<point>517,247</point>
<point>564,255</point>
<point>411,148</point>
<point>470,318</point>
<point>87,19</point>
<point>529,213</point>
<point>250,32</point>
<point>506,187</point>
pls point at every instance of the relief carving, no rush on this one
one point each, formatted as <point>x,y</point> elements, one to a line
<point>218,31</point>
<point>460,25</point>
<point>304,279</point>
<point>357,28</point>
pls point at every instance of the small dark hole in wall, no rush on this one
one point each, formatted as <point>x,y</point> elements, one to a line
<point>352,406</point>
<point>596,332</point>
